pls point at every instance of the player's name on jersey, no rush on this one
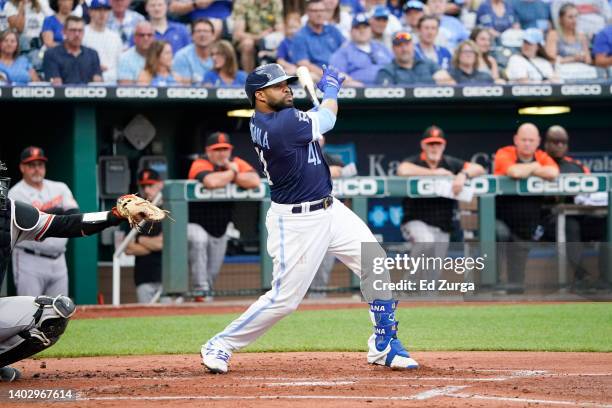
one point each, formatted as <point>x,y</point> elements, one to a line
<point>568,184</point>
<point>195,191</point>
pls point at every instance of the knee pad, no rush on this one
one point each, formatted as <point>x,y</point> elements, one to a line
<point>50,321</point>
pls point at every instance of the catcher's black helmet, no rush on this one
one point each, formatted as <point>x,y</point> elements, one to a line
<point>264,76</point>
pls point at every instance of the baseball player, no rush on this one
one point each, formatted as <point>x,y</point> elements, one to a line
<point>30,324</point>
<point>39,268</point>
<point>304,221</point>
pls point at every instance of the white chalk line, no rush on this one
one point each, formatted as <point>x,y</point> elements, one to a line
<point>528,400</point>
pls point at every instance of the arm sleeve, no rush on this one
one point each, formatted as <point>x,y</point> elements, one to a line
<point>600,45</point>
<point>503,161</point>
<point>516,69</point>
<point>78,225</point>
<point>50,66</point>
<point>199,166</point>
<point>181,66</point>
<point>325,119</point>
<point>545,160</point>
<point>243,166</point>
<point>97,69</point>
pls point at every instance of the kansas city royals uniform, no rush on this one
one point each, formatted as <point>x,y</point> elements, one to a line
<point>40,268</point>
<point>304,223</point>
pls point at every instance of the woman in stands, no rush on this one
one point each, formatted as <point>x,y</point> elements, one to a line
<point>53,26</point>
<point>564,43</point>
<point>531,65</point>
<point>27,17</point>
<point>17,68</point>
<point>497,15</point>
<point>158,67</point>
<point>486,63</point>
<point>225,72</point>
<point>465,63</point>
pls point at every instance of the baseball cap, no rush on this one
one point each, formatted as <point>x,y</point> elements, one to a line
<point>100,4</point>
<point>413,5</point>
<point>380,11</point>
<point>219,140</point>
<point>360,19</point>
<point>433,134</point>
<point>147,177</point>
<point>401,37</point>
<point>533,36</point>
<point>32,153</point>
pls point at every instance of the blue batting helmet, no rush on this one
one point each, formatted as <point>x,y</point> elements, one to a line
<point>265,76</point>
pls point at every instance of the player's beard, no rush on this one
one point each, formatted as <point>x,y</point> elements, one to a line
<point>282,103</point>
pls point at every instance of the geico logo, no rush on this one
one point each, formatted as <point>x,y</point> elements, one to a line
<point>385,93</point>
<point>299,93</point>
<point>535,90</point>
<point>188,93</point>
<point>471,91</point>
<point>347,93</point>
<point>434,92</point>
<point>33,92</point>
<point>356,187</point>
<point>85,92</point>
<point>229,191</point>
<point>231,93</point>
<point>426,186</point>
<point>592,89</point>
<point>480,185</point>
<point>565,184</point>
<point>136,92</point>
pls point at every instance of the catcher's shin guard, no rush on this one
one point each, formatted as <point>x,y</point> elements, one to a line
<point>50,321</point>
<point>384,346</point>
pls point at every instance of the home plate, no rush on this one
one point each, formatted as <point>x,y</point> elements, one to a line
<point>309,383</point>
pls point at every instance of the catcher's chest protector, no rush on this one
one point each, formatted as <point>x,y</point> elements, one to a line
<point>5,240</point>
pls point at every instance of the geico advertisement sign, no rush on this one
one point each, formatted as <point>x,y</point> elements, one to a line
<point>385,93</point>
<point>85,92</point>
<point>351,187</point>
<point>231,93</point>
<point>229,191</point>
<point>33,92</point>
<point>429,186</point>
<point>564,184</point>
<point>187,93</point>
<point>137,92</point>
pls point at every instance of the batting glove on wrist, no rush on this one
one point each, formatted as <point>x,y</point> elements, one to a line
<point>331,77</point>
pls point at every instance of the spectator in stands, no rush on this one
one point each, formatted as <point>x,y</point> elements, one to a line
<point>532,13</point>
<point>225,70</point>
<point>39,267</point>
<point>518,217</point>
<point>173,33</point>
<point>427,222</point>
<point>360,59</point>
<point>593,15</point>
<point>378,23</point>
<point>284,53</point>
<point>132,61</point>
<point>564,43</point>
<point>393,24</point>
<point>253,21</point>
<point>123,20</point>
<point>217,11</point>
<point>314,44</point>
<point>15,66</point>
<point>337,16</point>
<point>413,11</point>
<point>465,66</point>
<point>27,17</point>
<point>194,61</point>
<point>407,70</point>
<point>578,229</point>
<point>452,31</point>
<point>104,41</point>
<point>215,170</point>
<point>148,244</point>
<point>53,25</point>
<point>158,66</point>
<point>497,15</point>
<point>486,62</point>
<point>602,49</point>
<point>532,64</point>
<point>70,62</point>
<point>428,28</point>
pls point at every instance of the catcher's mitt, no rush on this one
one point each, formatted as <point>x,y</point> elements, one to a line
<point>136,209</point>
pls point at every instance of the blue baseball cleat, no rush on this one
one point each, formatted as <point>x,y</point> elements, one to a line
<point>384,346</point>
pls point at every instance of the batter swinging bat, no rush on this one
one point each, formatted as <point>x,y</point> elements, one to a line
<point>306,81</point>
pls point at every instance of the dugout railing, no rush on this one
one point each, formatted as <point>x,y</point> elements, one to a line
<point>178,193</point>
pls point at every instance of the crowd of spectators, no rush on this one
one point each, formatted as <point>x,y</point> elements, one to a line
<point>214,42</point>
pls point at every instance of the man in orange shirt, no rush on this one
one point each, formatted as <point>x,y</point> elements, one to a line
<point>214,170</point>
<point>519,217</point>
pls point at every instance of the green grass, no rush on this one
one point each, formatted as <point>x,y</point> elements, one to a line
<point>555,327</point>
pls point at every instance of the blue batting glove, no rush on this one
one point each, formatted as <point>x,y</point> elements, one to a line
<point>331,78</point>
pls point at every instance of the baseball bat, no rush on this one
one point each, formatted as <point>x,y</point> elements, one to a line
<point>306,81</point>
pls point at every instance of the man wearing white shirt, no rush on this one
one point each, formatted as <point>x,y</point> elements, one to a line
<point>106,42</point>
